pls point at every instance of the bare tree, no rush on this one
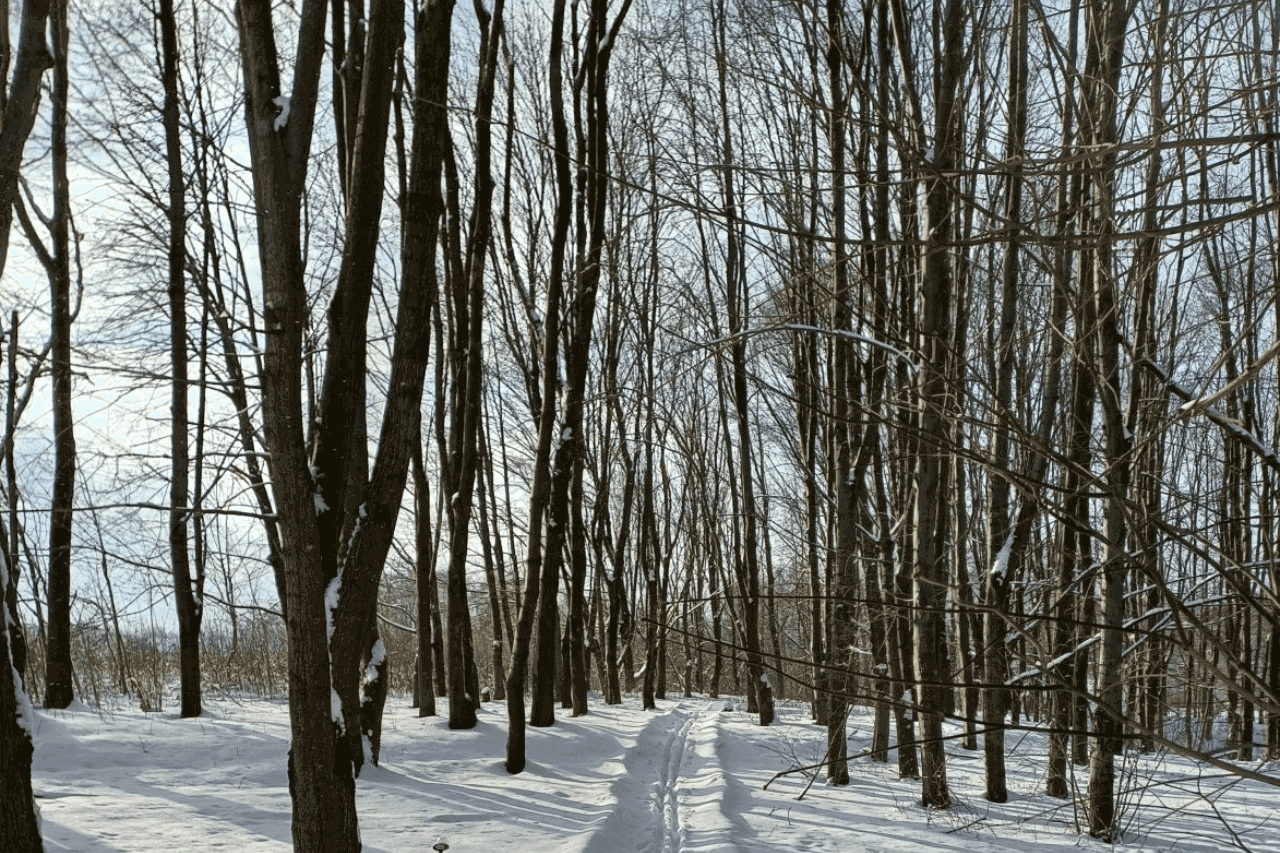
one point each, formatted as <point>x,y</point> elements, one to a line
<point>19,824</point>
<point>939,151</point>
<point>1106,27</point>
<point>55,257</point>
<point>188,592</point>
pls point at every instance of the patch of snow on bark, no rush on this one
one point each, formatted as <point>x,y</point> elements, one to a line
<point>377,655</point>
<point>283,102</point>
<point>1001,566</point>
<point>331,595</point>
<point>335,710</point>
<point>26,716</point>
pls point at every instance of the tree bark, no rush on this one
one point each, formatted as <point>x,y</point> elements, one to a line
<point>19,824</point>
<point>187,599</point>
<point>425,597</point>
<point>1107,22</point>
<point>839,677</point>
<point>934,310</point>
<point>321,783</point>
<point>465,375</point>
<point>1001,540</point>
<point>537,578</point>
<point>58,674</point>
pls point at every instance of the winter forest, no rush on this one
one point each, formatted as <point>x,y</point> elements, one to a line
<point>904,370</point>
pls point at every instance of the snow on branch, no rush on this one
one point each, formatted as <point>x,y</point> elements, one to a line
<point>817,330</point>
<point>1251,372</point>
<point>1206,407</point>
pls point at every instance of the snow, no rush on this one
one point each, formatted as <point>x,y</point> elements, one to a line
<point>281,101</point>
<point>687,777</point>
<point>331,595</point>
<point>377,655</point>
<point>1000,568</point>
<point>321,506</point>
<point>26,716</point>
<point>335,709</point>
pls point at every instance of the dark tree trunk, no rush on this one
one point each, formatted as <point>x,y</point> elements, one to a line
<point>17,640</point>
<point>579,675</point>
<point>187,598</point>
<point>19,824</point>
<point>648,546</point>
<point>936,289</point>
<point>321,782</point>
<point>487,545</point>
<point>58,675</point>
<point>537,577</point>
<point>425,597</point>
<point>839,675</point>
<point>580,320</point>
<point>1107,24</point>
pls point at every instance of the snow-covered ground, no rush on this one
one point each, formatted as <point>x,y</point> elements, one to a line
<point>688,777</point>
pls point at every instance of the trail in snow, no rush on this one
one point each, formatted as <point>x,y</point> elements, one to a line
<point>672,794</point>
<point>686,778</point>
<point>646,792</point>
<point>669,787</point>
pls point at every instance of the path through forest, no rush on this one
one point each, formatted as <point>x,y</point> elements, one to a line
<point>687,778</point>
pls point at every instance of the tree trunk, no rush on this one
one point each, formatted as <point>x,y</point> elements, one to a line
<point>579,675</point>
<point>1107,25</point>
<point>746,564</point>
<point>19,823</point>
<point>1001,540</point>
<point>186,599</point>
<point>537,578</point>
<point>580,320</point>
<point>374,682</point>
<point>425,595</point>
<point>934,310</point>
<point>321,784</point>
<point>843,566</point>
<point>17,640</point>
<point>58,675</point>
<point>490,578</point>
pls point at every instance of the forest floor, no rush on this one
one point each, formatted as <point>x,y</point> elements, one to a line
<point>687,777</point>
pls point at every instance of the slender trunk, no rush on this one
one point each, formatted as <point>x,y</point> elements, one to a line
<point>536,578</point>
<point>17,639</point>
<point>490,575</point>
<point>19,820</point>
<point>1000,544</point>
<point>1107,26</point>
<point>58,675</point>
<point>425,592</point>
<point>843,567</point>
<point>746,564</point>
<point>186,599</point>
<point>934,312</point>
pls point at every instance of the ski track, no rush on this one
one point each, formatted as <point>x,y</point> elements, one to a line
<point>670,793</point>
<point>686,778</point>
<point>669,787</point>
